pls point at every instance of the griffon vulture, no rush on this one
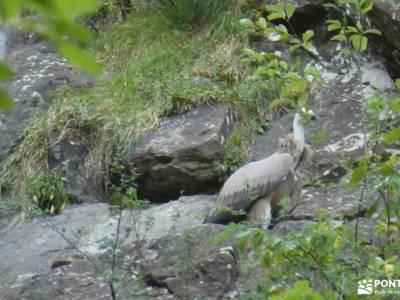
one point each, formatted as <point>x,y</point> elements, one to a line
<point>258,187</point>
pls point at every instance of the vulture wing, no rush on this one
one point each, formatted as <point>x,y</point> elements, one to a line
<point>250,182</point>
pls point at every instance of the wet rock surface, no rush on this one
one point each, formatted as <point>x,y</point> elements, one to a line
<point>179,157</point>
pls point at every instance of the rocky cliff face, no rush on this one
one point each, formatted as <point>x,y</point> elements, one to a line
<point>39,71</point>
<point>167,243</point>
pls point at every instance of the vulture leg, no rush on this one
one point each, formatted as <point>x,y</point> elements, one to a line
<point>260,212</point>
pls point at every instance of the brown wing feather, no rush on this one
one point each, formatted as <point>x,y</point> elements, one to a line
<point>251,181</point>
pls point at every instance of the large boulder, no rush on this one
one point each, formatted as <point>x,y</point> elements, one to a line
<point>179,157</point>
<point>28,247</point>
<point>190,265</point>
<point>181,266</point>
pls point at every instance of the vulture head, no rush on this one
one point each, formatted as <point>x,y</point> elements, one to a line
<point>294,144</point>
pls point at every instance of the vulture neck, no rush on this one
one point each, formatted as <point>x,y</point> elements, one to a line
<point>298,131</point>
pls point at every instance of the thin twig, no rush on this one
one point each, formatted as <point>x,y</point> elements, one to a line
<point>111,282</point>
<point>55,229</point>
<point>388,217</point>
<point>318,264</point>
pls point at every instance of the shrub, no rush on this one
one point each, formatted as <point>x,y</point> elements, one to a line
<point>48,192</point>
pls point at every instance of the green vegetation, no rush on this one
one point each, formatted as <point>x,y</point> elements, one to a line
<point>154,70</point>
<point>48,192</point>
<point>194,14</point>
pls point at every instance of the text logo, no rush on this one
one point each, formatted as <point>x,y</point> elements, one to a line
<point>365,287</point>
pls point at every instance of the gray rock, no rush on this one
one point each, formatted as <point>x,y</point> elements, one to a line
<point>339,201</point>
<point>76,281</point>
<point>191,266</point>
<point>67,158</point>
<point>179,157</point>
<point>39,70</point>
<point>188,266</point>
<point>30,246</point>
<point>386,18</point>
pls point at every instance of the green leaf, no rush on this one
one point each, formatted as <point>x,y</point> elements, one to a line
<point>370,212</point>
<point>298,86</point>
<point>392,137</point>
<point>334,25</point>
<point>291,75</point>
<point>308,35</point>
<point>276,7</point>
<point>294,47</point>
<point>247,23</point>
<point>258,238</point>
<point>351,29</point>
<point>6,103</point>
<point>9,9</point>
<point>359,26</point>
<point>80,58</point>
<point>339,38</point>
<point>373,31</point>
<point>276,15</point>
<point>358,174</point>
<point>282,28</point>
<point>365,6</point>
<point>5,72</point>
<point>290,9</point>
<point>359,42</point>
<point>283,65</point>
<point>309,47</point>
<point>261,23</point>
<point>266,260</point>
